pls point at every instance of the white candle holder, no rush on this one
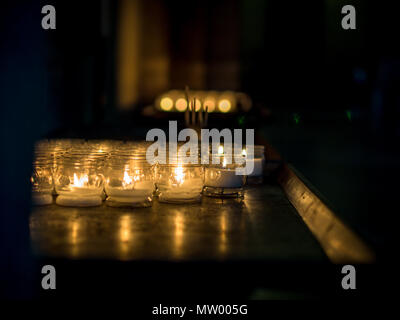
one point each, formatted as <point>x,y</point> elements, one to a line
<point>129,179</point>
<point>221,179</point>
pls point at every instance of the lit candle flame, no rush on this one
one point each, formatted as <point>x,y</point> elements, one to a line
<point>127,180</point>
<point>220,150</point>
<point>244,153</point>
<point>80,182</point>
<point>179,174</point>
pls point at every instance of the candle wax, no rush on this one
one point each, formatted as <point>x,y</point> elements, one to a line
<point>85,191</point>
<point>188,189</point>
<point>222,178</point>
<point>141,192</point>
<point>78,201</point>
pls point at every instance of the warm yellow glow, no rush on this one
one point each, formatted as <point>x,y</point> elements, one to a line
<point>181,104</point>
<point>128,53</point>
<point>100,150</point>
<point>210,104</point>
<point>178,226</point>
<point>166,104</point>
<point>127,180</point>
<point>224,105</point>
<point>80,182</point>
<point>220,149</point>
<point>224,163</point>
<point>244,153</point>
<point>179,233</point>
<point>125,228</point>
<point>222,243</point>
<point>74,232</point>
<point>179,174</point>
<point>198,105</point>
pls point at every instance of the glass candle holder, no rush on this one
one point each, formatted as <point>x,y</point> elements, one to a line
<point>256,177</point>
<point>179,179</point>
<point>129,180</point>
<point>221,179</point>
<point>180,183</point>
<point>59,147</point>
<point>42,178</point>
<point>79,180</point>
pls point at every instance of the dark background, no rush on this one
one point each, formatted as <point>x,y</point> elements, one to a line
<point>326,98</point>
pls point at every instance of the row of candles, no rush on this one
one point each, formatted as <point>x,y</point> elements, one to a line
<point>84,173</point>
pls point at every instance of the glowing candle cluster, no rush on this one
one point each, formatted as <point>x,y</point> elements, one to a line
<point>84,173</point>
